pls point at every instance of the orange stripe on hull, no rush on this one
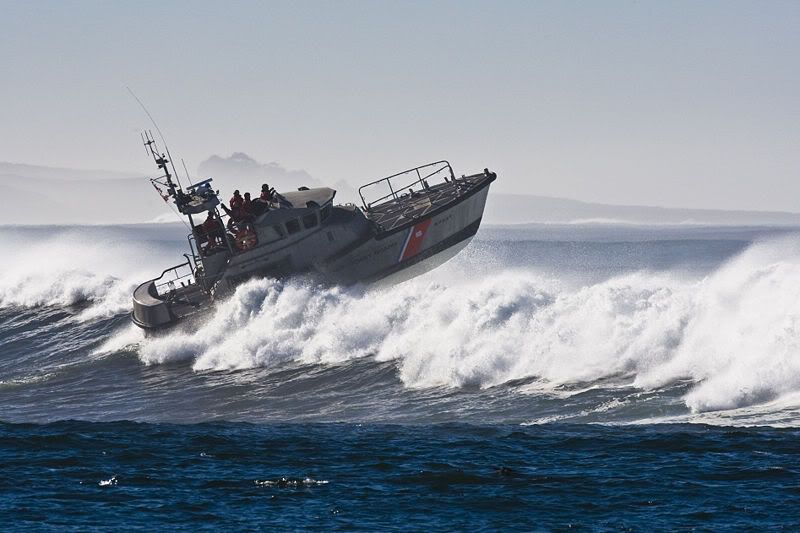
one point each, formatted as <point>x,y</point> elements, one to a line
<point>413,243</point>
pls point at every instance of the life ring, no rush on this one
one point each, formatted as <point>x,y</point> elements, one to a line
<point>246,239</point>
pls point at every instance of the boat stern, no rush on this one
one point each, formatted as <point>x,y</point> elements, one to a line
<point>149,310</point>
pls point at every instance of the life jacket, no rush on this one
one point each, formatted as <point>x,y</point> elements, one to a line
<point>236,203</point>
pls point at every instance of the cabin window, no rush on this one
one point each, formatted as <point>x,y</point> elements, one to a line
<point>326,211</point>
<point>293,226</point>
<point>310,220</point>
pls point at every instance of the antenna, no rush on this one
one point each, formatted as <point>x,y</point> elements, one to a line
<point>189,203</point>
<point>148,115</point>
<point>160,160</point>
<point>144,143</point>
<point>161,135</point>
<point>171,162</point>
<point>188,177</point>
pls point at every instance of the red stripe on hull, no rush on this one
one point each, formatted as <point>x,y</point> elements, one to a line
<point>415,239</point>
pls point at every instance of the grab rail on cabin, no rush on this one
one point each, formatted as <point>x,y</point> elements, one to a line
<point>194,248</point>
<point>435,170</point>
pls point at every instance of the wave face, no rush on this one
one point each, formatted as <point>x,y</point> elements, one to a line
<point>596,324</point>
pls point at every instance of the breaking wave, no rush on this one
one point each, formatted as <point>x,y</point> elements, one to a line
<point>735,333</point>
<point>94,268</point>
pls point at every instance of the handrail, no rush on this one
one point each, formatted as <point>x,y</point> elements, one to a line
<point>393,191</point>
<point>192,240</point>
<point>171,282</point>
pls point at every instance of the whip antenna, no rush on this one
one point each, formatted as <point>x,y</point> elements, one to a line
<point>146,112</point>
<point>188,177</point>
<point>161,135</point>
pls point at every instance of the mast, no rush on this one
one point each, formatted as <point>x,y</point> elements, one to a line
<point>195,199</point>
<point>161,162</point>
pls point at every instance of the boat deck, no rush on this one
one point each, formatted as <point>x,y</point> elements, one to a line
<point>414,205</point>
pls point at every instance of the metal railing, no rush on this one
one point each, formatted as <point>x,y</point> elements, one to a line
<point>174,277</point>
<point>436,170</point>
<point>194,248</point>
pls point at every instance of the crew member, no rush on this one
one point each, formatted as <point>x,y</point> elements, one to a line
<point>246,212</point>
<point>236,202</point>
<point>211,228</point>
<point>267,194</point>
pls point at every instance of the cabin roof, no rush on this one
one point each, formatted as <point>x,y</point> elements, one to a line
<point>319,195</point>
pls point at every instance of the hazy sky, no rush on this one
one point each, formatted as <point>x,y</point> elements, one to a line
<point>692,104</point>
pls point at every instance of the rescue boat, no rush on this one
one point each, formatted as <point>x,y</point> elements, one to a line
<point>408,223</point>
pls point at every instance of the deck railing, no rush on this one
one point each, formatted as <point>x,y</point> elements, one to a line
<point>174,277</point>
<point>417,178</point>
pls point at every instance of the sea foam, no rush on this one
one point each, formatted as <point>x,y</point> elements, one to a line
<point>95,267</point>
<point>735,333</point>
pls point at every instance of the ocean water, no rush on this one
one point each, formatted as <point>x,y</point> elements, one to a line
<point>548,377</point>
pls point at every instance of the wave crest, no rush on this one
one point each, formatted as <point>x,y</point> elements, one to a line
<point>61,267</point>
<point>735,333</point>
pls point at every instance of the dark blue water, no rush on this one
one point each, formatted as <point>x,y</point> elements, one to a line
<point>377,477</point>
<point>549,378</point>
